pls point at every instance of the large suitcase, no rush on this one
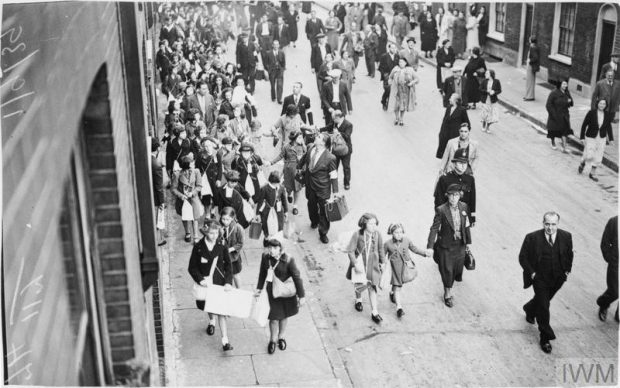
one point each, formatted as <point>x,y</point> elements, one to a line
<point>337,209</point>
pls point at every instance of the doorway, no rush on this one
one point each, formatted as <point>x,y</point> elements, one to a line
<point>527,32</point>
<point>608,30</point>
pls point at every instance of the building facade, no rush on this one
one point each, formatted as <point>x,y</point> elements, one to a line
<point>79,251</point>
<point>575,39</point>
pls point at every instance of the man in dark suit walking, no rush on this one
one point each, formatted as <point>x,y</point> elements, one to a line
<point>335,95</point>
<point>321,179</point>
<point>453,84</point>
<point>299,100</point>
<point>275,64</point>
<point>340,124</point>
<point>204,102</point>
<point>246,60</point>
<point>264,33</point>
<point>454,117</point>
<point>609,248</point>
<point>280,32</point>
<point>612,65</point>
<point>533,66</point>
<point>317,57</point>
<point>387,62</point>
<point>546,257</point>
<point>314,26</point>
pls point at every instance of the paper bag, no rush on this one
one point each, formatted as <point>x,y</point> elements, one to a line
<point>206,187</point>
<point>248,211</point>
<point>161,219</point>
<point>359,277</point>
<point>272,222</point>
<point>386,277</point>
<point>260,309</point>
<point>187,213</point>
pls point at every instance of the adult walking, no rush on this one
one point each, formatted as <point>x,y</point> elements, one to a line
<point>314,27</point>
<point>612,65</point>
<point>483,27</point>
<point>468,148</point>
<point>371,42</point>
<point>465,182</point>
<point>609,89</point>
<point>287,124</point>
<point>335,95</point>
<point>332,26</point>
<point>344,128</point>
<point>546,257</point>
<point>490,88</point>
<point>454,84</point>
<point>291,154</point>
<point>453,118</point>
<point>321,180</point>
<point>367,256</point>
<point>209,265</point>
<point>275,64</point>
<point>400,27</point>
<point>402,94</point>
<point>474,71</point>
<point>449,238</point>
<point>445,61</point>
<point>609,249</point>
<point>291,17</point>
<point>533,66</point>
<point>186,187</point>
<point>204,102</point>
<point>159,198</point>
<point>596,132</point>
<point>317,56</point>
<point>387,62</point>
<point>460,34</point>
<point>277,266</point>
<point>558,122</point>
<point>410,54</point>
<point>347,65</point>
<point>428,35</point>
<point>472,30</point>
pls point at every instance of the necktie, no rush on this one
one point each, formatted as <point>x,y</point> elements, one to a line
<point>314,158</point>
<point>296,100</point>
<point>550,240</point>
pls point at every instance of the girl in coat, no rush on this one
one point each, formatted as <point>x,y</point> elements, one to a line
<point>279,264</point>
<point>595,133</point>
<point>272,206</point>
<point>397,251</point>
<point>490,88</point>
<point>402,93</point>
<point>366,254</point>
<point>233,195</point>
<point>209,264</point>
<point>231,236</point>
<point>291,154</point>
<point>558,123</point>
<point>247,164</point>
<point>210,169</point>
<point>186,185</point>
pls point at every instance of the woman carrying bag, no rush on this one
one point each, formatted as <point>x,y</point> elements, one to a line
<point>209,264</point>
<point>284,288</point>
<point>186,186</point>
<point>367,256</point>
<point>403,267</point>
<point>272,206</point>
<point>247,164</point>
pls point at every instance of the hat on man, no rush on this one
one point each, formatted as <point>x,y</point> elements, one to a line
<point>320,35</point>
<point>443,42</point>
<point>335,73</point>
<point>615,54</point>
<point>411,39</point>
<point>227,140</point>
<point>232,176</point>
<point>274,242</point>
<point>459,156</point>
<point>457,68</point>
<point>246,147</point>
<point>454,188</point>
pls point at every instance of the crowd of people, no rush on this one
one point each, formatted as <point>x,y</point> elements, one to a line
<point>216,166</point>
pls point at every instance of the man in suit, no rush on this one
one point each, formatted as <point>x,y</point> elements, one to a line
<point>455,84</point>
<point>204,102</point>
<point>546,257</point>
<point>445,61</point>
<point>379,19</point>
<point>340,12</point>
<point>533,66</point>
<point>400,27</point>
<point>275,64</point>
<point>448,240</point>
<point>335,96</point>
<point>321,179</point>
<point>387,62</point>
<point>314,26</point>
<point>371,42</point>
<point>264,33</point>
<point>157,173</point>
<point>465,182</point>
<point>410,54</point>
<point>246,60</point>
<point>299,100</point>
<point>280,32</point>
<point>613,65</point>
<point>454,117</point>
<point>340,124</point>
<point>317,56</point>
<point>609,248</point>
<point>608,89</point>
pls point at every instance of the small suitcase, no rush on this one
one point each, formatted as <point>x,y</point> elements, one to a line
<point>337,209</point>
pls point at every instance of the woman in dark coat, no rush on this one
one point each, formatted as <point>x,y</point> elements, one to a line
<point>483,27</point>
<point>475,69</point>
<point>210,168</point>
<point>283,267</point>
<point>449,237</point>
<point>460,33</point>
<point>272,197</point>
<point>247,164</point>
<point>291,17</point>
<point>455,116</point>
<point>558,123</point>
<point>428,32</point>
<point>201,267</point>
<point>177,148</point>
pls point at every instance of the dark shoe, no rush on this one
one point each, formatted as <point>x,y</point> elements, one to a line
<point>324,239</point>
<point>289,199</point>
<point>188,237</point>
<point>400,313</point>
<point>528,99</point>
<point>602,314</point>
<point>162,242</point>
<point>545,346</point>
<point>392,298</point>
<point>347,187</point>
<point>616,317</point>
<point>280,102</point>
<point>282,344</point>
<point>580,169</point>
<point>401,123</point>
<point>295,211</point>
<point>594,178</point>
<point>359,306</point>
<point>314,226</point>
<point>530,319</point>
<point>227,347</point>
<point>376,318</point>
<point>448,302</point>
<point>271,348</point>
<point>458,278</point>
<point>210,329</point>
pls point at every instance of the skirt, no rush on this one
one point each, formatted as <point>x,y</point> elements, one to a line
<point>288,173</point>
<point>281,308</point>
<point>451,262</point>
<point>593,150</point>
<point>236,266</point>
<point>490,113</point>
<point>398,265</point>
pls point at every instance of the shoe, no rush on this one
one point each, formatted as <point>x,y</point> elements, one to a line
<point>289,199</point>
<point>324,238</point>
<point>392,298</point>
<point>553,147</point>
<point>580,169</point>
<point>282,344</point>
<point>528,99</point>
<point>564,150</point>
<point>161,243</point>
<point>545,346</point>
<point>458,278</point>
<point>359,306</point>
<point>531,320</point>
<point>227,347</point>
<point>594,178</point>
<point>314,226</point>
<point>602,314</point>
<point>395,122</point>
<point>385,107</point>
<point>280,102</point>
<point>376,318</point>
<point>210,329</point>
<point>616,317</point>
<point>400,313</point>
<point>295,211</point>
<point>271,348</point>
<point>448,302</point>
<point>401,123</point>
<point>347,187</point>
<point>188,237</point>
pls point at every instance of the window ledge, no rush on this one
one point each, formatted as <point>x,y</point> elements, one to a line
<point>496,36</point>
<point>561,58</point>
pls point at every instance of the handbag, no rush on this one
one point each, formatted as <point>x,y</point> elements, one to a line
<point>282,289</point>
<point>337,209</point>
<point>256,229</point>
<point>410,272</point>
<point>470,261</point>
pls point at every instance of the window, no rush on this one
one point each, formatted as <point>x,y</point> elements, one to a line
<point>497,21</point>
<point>567,28</point>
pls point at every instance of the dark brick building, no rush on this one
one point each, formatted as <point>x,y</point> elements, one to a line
<point>78,246</point>
<point>575,39</point>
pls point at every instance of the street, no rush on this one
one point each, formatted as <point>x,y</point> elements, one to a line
<point>484,340</point>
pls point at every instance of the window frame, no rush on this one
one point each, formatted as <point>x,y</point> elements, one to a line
<point>493,33</point>
<point>555,41</point>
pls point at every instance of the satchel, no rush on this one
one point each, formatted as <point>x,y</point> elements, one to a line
<point>337,209</point>
<point>470,261</point>
<point>256,229</point>
<point>339,145</point>
<point>410,272</point>
<point>282,289</point>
